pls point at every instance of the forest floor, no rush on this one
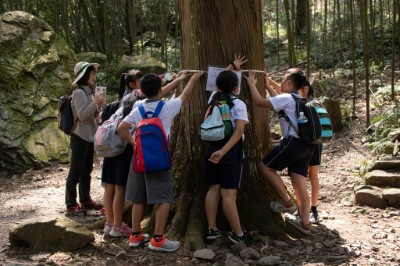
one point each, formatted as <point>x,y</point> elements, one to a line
<point>347,235</point>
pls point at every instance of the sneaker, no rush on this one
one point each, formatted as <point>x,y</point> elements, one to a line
<point>123,230</point>
<point>297,223</point>
<point>213,234</point>
<point>278,206</point>
<point>135,241</point>
<point>164,245</point>
<point>73,209</point>
<point>235,239</point>
<point>107,228</point>
<point>91,205</point>
<point>314,217</point>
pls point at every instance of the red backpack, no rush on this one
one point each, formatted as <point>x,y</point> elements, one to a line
<point>151,152</point>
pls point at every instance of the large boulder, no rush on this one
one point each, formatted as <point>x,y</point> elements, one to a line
<point>50,234</point>
<point>93,57</point>
<point>36,67</point>
<point>144,63</point>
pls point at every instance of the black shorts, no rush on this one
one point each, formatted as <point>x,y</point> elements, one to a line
<point>291,153</point>
<point>116,169</point>
<point>316,156</point>
<point>228,172</point>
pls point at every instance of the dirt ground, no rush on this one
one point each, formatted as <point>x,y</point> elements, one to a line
<point>348,234</point>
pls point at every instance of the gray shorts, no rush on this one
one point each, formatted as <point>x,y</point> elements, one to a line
<point>150,188</point>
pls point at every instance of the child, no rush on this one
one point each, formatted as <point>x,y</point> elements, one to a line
<point>224,158</point>
<point>115,170</point>
<point>308,93</point>
<point>85,109</point>
<point>313,167</point>
<point>291,152</point>
<point>155,187</point>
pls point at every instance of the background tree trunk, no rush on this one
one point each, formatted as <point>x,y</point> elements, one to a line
<point>212,32</point>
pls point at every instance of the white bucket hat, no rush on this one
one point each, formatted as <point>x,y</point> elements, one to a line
<point>80,69</point>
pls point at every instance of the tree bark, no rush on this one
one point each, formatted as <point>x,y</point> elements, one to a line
<point>301,17</point>
<point>212,32</point>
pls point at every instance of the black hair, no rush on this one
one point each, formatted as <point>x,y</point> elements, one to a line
<point>226,82</point>
<point>83,81</point>
<point>151,85</point>
<point>131,76</point>
<point>298,78</point>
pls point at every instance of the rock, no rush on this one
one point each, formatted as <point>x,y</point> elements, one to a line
<point>145,63</point>
<point>40,257</point>
<point>386,165</point>
<point>15,263</point>
<point>280,243</point>
<point>394,135</point>
<point>382,178</point>
<point>236,248</point>
<point>269,260</point>
<point>293,252</point>
<point>194,261</point>
<point>249,253</point>
<point>92,57</point>
<point>112,262</point>
<point>329,243</point>
<point>335,258</point>
<point>204,254</point>
<point>36,67</point>
<point>392,195</point>
<point>370,198</point>
<point>232,260</point>
<point>50,234</point>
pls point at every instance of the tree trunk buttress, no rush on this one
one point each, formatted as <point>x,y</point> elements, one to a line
<point>212,32</point>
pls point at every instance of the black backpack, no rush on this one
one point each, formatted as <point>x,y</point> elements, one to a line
<point>66,120</point>
<point>108,111</point>
<point>311,131</point>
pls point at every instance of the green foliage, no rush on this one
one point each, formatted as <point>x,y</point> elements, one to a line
<point>380,127</point>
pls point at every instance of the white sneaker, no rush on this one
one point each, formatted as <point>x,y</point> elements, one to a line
<point>297,222</point>
<point>123,230</point>
<point>107,228</point>
<point>278,206</point>
<point>314,217</point>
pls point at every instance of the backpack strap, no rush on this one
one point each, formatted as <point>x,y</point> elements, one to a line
<point>158,108</point>
<point>155,113</point>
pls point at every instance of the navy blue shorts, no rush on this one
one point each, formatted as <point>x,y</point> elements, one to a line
<point>316,156</point>
<point>228,172</point>
<point>116,169</point>
<point>291,153</point>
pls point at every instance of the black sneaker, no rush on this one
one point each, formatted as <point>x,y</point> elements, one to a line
<point>235,239</point>
<point>213,234</point>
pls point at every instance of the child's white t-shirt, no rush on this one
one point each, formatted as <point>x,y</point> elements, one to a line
<point>170,109</point>
<point>286,103</point>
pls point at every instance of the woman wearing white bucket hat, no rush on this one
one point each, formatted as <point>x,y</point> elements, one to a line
<point>85,110</point>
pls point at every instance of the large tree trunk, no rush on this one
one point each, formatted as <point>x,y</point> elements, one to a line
<point>212,32</point>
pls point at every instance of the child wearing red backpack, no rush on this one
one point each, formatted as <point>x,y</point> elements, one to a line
<point>152,187</point>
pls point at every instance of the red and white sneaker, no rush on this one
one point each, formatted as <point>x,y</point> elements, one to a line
<point>137,240</point>
<point>164,245</point>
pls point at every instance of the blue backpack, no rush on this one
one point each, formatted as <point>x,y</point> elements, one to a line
<point>318,128</point>
<point>151,152</point>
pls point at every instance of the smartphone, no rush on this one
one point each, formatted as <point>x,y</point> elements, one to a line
<point>101,91</point>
